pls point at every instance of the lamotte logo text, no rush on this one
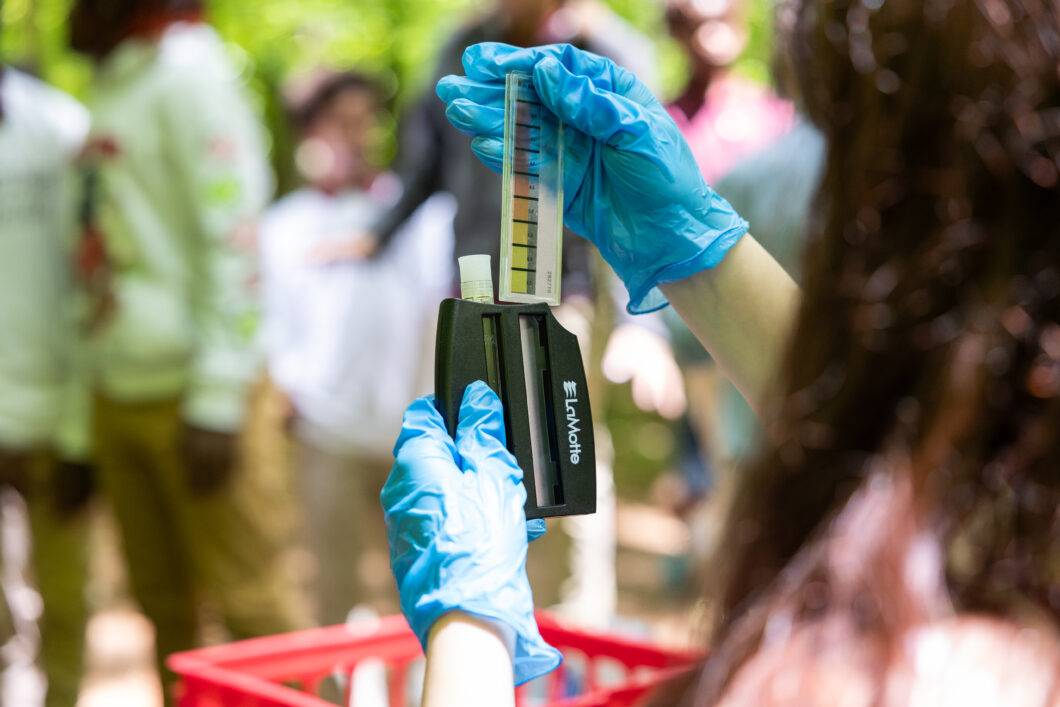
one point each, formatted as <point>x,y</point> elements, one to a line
<point>570,389</point>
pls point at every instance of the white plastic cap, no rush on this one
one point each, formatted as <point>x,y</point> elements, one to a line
<point>476,278</point>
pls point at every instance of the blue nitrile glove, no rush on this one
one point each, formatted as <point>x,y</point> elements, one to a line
<point>631,184</point>
<point>457,530</point>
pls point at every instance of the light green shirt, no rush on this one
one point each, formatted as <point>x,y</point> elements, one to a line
<point>40,133</point>
<point>180,190</point>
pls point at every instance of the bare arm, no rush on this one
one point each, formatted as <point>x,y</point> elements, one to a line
<point>468,664</point>
<point>742,311</point>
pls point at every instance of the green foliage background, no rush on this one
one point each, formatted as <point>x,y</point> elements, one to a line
<point>397,37</point>
<point>396,41</point>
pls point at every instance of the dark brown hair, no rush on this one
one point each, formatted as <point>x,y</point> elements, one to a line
<point>320,98</point>
<point>928,338</point>
<point>97,27</point>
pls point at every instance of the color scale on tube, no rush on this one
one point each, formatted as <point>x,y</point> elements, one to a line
<point>532,228</point>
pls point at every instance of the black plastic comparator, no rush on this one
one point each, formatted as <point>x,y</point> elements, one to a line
<point>535,367</point>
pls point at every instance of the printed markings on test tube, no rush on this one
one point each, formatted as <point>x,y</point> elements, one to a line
<point>526,182</point>
<point>524,209</point>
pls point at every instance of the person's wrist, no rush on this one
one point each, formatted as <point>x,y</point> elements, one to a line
<point>492,631</point>
<point>531,656</point>
<point>467,664</point>
<point>702,243</point>
<point>430,605</point>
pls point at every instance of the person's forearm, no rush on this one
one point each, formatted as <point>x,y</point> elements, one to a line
<point>742,311</point>
<point>467,665</point>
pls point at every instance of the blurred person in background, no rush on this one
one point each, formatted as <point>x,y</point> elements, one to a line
<point>896,541</point>
<point>41,132</point>
<point>434,158</point>
<point>722,116</point>
<point>345,338</point>
<point>181,177</point>
<point>774,189</point>
<point>725,119</point>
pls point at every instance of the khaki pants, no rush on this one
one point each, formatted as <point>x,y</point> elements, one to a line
<point>182,548</point>
<point>59,563</point>
<point>345,531</point>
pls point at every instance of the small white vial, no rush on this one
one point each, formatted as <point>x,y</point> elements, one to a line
<point>476,278</point>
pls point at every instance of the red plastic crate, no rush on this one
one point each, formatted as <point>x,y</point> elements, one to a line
<point>286,670</point>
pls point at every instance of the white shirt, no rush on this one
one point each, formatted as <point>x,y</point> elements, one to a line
<point>41,131</point>
<point>346,341</point>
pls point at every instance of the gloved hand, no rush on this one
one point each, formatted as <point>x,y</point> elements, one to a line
<point>457,530</point>
<point>211,458</point>
<point>631,184</point>
<point>73,485</point>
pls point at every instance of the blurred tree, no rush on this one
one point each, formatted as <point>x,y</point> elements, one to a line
<point>33,37</point>
<point>395,40</point>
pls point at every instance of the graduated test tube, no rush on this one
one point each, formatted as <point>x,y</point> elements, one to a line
<point>532,215</point>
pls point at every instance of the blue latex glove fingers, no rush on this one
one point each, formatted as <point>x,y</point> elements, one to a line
<point>491,61</point>
<point>631,184</point>
<point>490,150</point>
<point>473,107</point>
<point>424,455</point>
<point>488,463</point>
<point>485,93</point>
<point>480,437</point>
<point>476,109</point>
<point>475,120</point>
<point>457,530</point>
<point>480,443</point>
<point>597,112</point>
<point>535,529</point>
<point>423,425</point>
<point>631,141</point>
<point>606,118</point>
